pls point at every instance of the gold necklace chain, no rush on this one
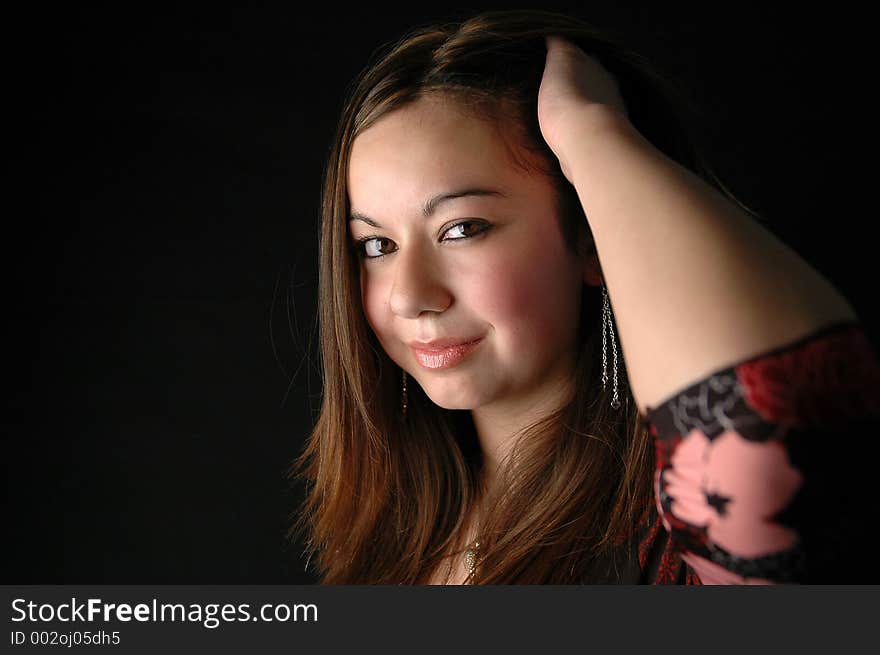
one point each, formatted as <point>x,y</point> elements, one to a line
<point>471,552</point>
<point>470,563</point>
<point>470,559</point>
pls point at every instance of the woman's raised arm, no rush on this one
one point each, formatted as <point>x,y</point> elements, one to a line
<point>695,283</point>
<point>752,371</point>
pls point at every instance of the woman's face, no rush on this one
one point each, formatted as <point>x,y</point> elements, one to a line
<point>491,266</point>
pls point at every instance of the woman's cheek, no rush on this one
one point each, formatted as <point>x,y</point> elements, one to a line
<point>376,310</point>
<point>514,288</point>
<point>536,303</point>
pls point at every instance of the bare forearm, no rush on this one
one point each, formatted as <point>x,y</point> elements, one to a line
<point>695,283</point>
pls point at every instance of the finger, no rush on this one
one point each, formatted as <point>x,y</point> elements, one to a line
<point>553,41</point>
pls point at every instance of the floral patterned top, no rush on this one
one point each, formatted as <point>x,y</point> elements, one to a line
<point>765,470</point>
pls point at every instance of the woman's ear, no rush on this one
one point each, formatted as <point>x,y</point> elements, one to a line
<point>592,270</point>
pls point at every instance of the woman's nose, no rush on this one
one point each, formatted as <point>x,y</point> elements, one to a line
<point>419,285</point>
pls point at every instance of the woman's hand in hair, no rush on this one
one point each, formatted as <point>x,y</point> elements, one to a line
<point>575,89</point>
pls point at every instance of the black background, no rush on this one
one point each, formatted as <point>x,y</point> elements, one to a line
<point>161,238</point>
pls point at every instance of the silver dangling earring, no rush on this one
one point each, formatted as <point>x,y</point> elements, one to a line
<point>403,397</point>
<point>608,327</point>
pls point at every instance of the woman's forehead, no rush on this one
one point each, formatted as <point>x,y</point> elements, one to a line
<point>426,147</point>
<point>425,132</point>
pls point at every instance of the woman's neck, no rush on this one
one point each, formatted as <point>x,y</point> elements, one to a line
<point>498,423</point>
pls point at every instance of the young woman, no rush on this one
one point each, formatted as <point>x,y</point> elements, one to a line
<point>492,192</point>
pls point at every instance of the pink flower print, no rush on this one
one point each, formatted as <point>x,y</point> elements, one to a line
<point>733,487</point>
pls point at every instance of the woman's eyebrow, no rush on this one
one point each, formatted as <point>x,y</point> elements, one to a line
<point>432,203</point>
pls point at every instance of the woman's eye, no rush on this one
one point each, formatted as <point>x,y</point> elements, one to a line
<point>459,228</point>
<point>372,248</point>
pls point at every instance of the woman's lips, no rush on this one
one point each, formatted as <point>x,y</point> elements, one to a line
<point>439,358</point>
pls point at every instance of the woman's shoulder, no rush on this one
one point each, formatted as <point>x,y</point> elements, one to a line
<point>660,557</point>
<point>646,555</point>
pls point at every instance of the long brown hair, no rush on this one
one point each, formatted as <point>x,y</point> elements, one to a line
<point>387,494</point>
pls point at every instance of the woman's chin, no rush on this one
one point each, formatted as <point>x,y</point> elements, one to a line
<point>453,405</point>
<point>451,400</point>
